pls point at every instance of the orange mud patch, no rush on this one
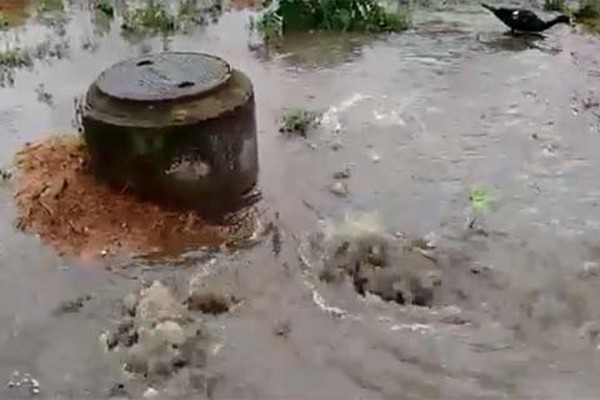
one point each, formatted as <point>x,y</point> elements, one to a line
<point>243,4</point>
<point>15,11</point>
<point>79,215</point>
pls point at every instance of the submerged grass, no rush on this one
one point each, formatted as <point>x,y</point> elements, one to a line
<point>50,5</point>
<point>299,122</point>
<point>554,5</point>
<point>334,15</point>
<point>588,15</point>
<point>105,7</point>
<point>154,17</point>
<point>15,58</point>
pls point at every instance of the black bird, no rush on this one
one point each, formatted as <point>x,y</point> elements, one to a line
<point>524,20</point>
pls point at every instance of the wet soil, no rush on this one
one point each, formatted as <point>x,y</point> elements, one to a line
<point>418,119</point>
<point>79,215</point>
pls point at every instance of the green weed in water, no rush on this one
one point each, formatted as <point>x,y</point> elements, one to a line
<point>3,20</point>
<point>15,58</point>
<point>270,24</point>
<point>152,17</point>
<point>50,5</point>
<point>480,199</point>
<point>588,15</point>
<point>335,15</point>
<point>105,8</point>
<point>299,122</point>
<point>554,5</point>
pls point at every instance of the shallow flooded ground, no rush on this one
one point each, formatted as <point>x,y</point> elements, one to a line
<point>418,119</point>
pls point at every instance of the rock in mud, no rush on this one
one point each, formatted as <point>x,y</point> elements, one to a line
<point>338,188</point>
<point>150,393</point>
<point>343,174</point>
<point>376,158</point>
<point>24,381</point>
<point>118,391</point>
<point>282,328</point>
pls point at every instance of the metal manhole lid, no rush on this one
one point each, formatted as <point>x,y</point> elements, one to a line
<point>165,76</point>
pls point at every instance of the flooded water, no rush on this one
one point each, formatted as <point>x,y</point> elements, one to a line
<point>418,118</point>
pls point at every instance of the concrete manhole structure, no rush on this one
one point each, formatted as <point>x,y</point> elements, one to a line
<point>175,128</point>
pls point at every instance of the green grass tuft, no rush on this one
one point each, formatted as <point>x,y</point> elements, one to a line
<point>299,122</point>
<point>333,15</point>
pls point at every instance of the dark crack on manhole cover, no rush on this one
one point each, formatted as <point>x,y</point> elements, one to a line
<point>167,76</point>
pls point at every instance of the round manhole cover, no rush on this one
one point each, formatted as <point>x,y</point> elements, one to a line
<point>166,76</point>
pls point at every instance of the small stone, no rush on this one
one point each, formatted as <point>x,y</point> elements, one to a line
<point>312,146</point>
<point>35,383</point>
<point>283,328</point>
<point>150,393</point>
<point>104,252</point>
<point>118,390</point>
<point>11,384</point>
<point>376,158</point>
<point>338,188</point>
<point>345,174</point>
<point>35,391</point>
<point>335,146</point>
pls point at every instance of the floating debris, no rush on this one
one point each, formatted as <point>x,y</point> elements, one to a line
<point>72,306</point>
<point>19,380</point>
<point>344,174</point>
<point>283,328</point>
<point>43,96</point>
<point>335,146</point>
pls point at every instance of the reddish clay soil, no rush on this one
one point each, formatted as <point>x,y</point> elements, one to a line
<point>78,215</point>
<point>244,4</point>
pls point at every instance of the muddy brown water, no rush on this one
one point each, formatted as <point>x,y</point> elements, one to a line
<point>418,118</point>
